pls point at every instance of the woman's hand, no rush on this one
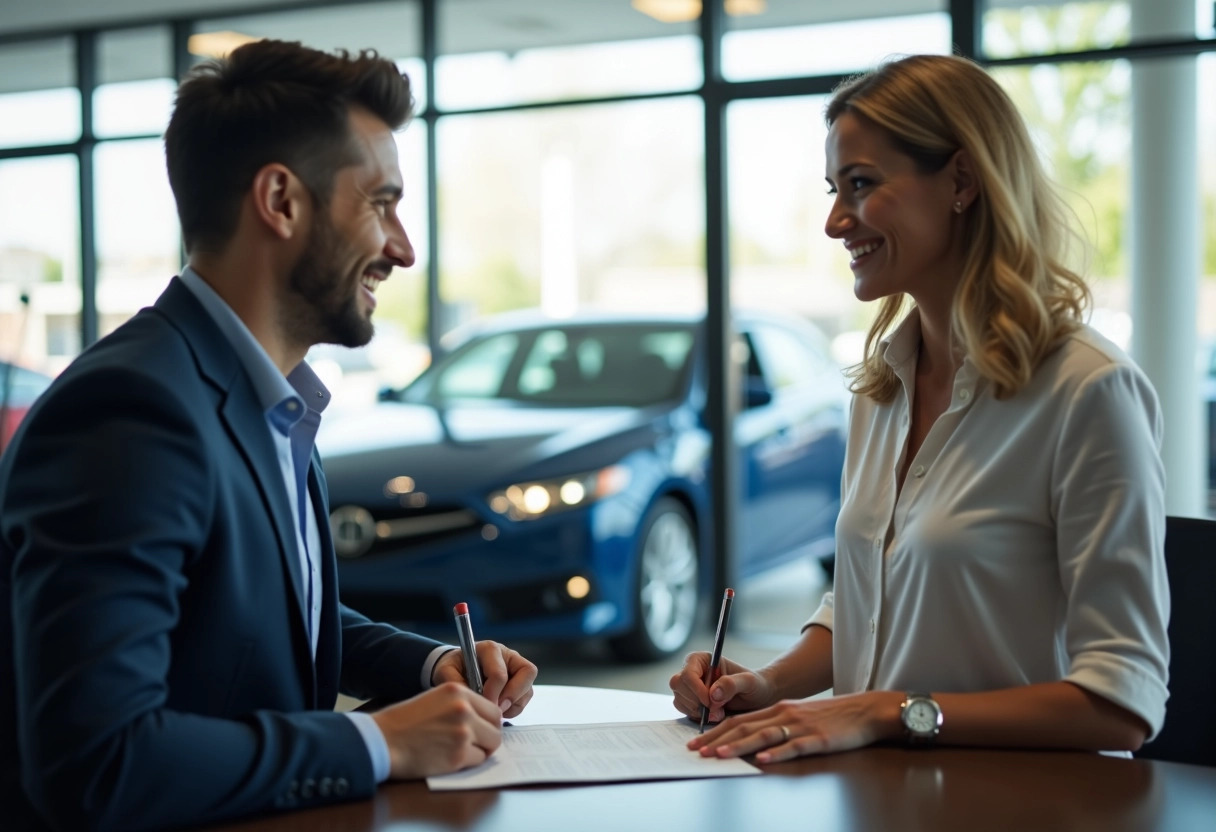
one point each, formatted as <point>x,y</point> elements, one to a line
<point>797,728</point>
<point>738,688</point>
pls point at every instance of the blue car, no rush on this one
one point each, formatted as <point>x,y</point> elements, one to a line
<point>555,475</point>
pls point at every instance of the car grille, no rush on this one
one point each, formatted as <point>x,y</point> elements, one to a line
<point>360,533</point>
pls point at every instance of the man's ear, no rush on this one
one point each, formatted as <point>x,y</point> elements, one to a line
<point>280,200</point>
<point>966,183</point>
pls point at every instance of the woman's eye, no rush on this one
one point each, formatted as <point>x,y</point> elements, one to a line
<point>859,182</point>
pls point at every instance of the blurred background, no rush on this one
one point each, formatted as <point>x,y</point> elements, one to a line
<point>621,157</point>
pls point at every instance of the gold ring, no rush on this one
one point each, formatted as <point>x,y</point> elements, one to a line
<point>785,734</point>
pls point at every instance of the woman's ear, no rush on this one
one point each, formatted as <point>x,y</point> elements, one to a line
<point>966,183</point>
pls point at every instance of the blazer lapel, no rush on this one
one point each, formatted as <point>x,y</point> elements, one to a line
<point>329,638</point>
<point>242,414</point>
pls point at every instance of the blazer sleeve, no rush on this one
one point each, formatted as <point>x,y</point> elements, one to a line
<point>111,508</point>
<point>380,661</point>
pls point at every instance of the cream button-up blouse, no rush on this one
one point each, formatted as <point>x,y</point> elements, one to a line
<point>1026,545</point>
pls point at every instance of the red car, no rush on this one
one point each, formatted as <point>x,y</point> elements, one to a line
<point>19,387</point>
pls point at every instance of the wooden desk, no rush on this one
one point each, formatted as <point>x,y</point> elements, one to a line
<point>936,790</point>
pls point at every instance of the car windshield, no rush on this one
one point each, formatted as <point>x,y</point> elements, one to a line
<point>627,364</point>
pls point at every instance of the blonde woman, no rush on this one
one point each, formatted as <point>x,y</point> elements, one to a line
<point>1000,577</point>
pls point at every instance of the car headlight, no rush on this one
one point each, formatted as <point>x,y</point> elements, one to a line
<point>540,498</point>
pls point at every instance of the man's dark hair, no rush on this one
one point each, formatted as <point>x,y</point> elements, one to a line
<point>270,101</point>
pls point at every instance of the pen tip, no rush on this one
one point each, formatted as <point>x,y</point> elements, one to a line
<point>730,593</point>
<point>461,609</point>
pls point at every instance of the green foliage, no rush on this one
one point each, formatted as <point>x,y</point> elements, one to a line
<point>52,270</point>
<point>1078,115</point>
<point>497,285</point>
<point>1208,229</point>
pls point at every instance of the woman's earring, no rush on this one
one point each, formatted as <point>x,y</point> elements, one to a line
<point>958,207</point>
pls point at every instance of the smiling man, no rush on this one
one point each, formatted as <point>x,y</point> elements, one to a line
<point>171,640</point>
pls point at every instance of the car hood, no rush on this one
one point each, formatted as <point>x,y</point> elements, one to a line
<point>449,449</point>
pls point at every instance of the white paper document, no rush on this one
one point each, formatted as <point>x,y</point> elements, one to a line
<point>596,753</point>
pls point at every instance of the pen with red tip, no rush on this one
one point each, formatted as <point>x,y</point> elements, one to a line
<point>715,659</point>
<point>468,647</point>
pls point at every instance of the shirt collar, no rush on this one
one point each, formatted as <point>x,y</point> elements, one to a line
<point>900,348</point>
<point>283,399</point>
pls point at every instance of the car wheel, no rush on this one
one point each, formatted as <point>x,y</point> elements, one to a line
<point>665,584</point>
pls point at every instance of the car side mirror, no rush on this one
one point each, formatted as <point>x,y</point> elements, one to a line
<point>756,393</point>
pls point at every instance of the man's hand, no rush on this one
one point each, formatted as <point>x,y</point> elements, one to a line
<point>506,676</point>
<point>439,731</point>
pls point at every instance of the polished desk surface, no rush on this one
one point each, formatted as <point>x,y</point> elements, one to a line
<point>938,789</point>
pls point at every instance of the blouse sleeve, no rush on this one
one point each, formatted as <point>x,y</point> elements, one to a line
<point>1108,501</point>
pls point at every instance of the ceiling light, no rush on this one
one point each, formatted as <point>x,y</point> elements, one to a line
<point>217,44</point>
<point>669,11</point>
<point>742,8</point>
<point>681,11</point>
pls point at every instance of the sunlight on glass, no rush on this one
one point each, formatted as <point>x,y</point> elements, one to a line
<point>1043,29</point>
<point>133,108</point>
<point>489,79</point>
<point>591,206</point>
<point>40,257</point>
<point>829,47</point>
<point>138,239</point>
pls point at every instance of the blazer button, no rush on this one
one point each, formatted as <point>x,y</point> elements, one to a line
<point>326,787</point>
<point>309,789</point>
<point>341,787</point>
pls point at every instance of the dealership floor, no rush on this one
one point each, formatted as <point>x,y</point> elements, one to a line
<point>768,612</point>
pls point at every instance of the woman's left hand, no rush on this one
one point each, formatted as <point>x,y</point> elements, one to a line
<point>799,727</point>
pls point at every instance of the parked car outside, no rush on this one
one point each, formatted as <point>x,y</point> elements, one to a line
<point>19,388</point>
<point>555,475</point>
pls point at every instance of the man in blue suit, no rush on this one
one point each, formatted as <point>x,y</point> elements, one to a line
<point>171,640</point>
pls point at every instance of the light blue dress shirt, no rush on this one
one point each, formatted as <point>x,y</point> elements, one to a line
<point>293,406</point>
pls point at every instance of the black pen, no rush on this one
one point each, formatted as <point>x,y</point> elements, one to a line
<point>472,673</point>
<point>716,658</point>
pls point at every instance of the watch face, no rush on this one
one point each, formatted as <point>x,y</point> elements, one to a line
<point>920,716</point>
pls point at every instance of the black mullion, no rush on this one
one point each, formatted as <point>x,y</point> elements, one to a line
<point>430,50</point>
<point>721,404</point>
<point>86,80</point>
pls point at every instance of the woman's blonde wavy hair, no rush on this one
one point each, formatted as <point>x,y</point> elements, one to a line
<point>1016,300</point>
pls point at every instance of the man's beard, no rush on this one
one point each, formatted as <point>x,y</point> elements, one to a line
<point>323,305</point>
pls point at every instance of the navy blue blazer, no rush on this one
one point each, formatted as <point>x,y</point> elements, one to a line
<point>155,668</point>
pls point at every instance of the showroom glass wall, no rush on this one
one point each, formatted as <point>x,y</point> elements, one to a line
<point>566,155</point>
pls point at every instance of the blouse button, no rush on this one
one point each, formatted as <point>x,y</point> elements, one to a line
<point>872,627</point>
<point>964,394</point>
<point>919,471</point>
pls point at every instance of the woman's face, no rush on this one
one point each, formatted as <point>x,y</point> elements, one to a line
<point>899,225</point>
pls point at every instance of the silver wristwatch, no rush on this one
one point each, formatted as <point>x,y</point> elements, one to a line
<point>921,717</point>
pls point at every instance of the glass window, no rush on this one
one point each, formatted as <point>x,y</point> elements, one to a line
<point>135,88</point>
<point>1207,180</point>
<point>784,38</point>
<point>788,359</point>
<point>1020,27</point>
<point>494,53</point>
<point>781,259</point>
<point>479,371</point>
<point>39,102</point>
<point>394,30</point>
<point>1080,118</point>
<point>39,262</point>
<point>569,207</point>
<point>138,239</point>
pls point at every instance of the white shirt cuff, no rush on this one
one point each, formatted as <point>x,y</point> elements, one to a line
<point>428,667</point>
<point>377,746</point>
